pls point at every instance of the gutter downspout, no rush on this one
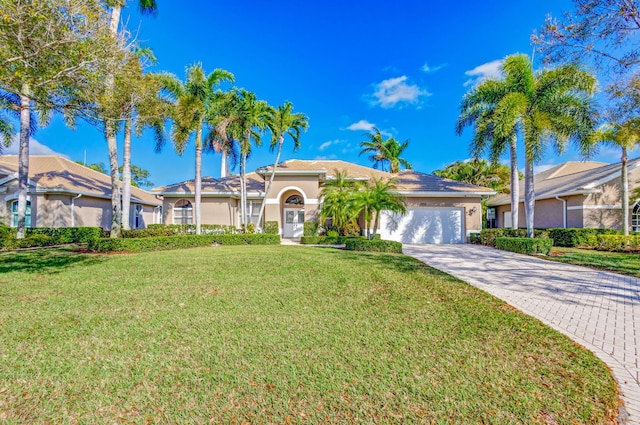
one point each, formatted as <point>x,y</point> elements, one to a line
<point>564,211</point>
<point>160,208</point>
<point>73,208</point>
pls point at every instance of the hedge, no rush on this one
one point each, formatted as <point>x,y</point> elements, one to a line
<point>474,238</point>
<point>529,246</point>
<point>618,242</point>
<point>573,237</point>
<point>310,228</point>
<point>31,241</point>
<point>489,236</point>
<point>190,229</point>
<point>64,235</point>
<point>178,242</point>
<point>375,245</point>
<point>271,228</point>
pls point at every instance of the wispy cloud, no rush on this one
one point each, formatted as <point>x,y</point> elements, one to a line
<point>325,145</point>
<point>397,91</point>
<point>35,148</point>
<point>429,69</point>
<point>361,125</point>
<point>483,72</point>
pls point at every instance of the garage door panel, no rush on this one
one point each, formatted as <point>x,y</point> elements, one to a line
<point>423,225</point>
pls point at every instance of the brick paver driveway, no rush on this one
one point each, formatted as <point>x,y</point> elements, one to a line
<point>599,310</point>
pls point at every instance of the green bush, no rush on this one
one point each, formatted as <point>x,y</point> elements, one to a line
<point>474,238</point>
<point>30,241</point>
<point>375,245</point>
<point>618,242</point>
<point>149,232</point>
<point>310,228</point>
<point>529,246</point>
<point>332,233</point>
<point>65,235</point>
<point>322,240</point>
<point>488,236</point>
<point>190,229</point>
<point>578,237</point>
<point>180,241</point>
<point>271,228</point>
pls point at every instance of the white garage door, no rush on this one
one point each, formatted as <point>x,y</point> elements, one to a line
<point>424,225</point>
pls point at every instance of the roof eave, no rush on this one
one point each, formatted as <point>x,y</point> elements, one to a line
<point>448,194</point>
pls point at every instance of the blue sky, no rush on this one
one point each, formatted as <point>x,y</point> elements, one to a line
<point>402,66</point>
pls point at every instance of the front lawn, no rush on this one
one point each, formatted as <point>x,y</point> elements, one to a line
<point>277,334</point>
<point>618,262</point>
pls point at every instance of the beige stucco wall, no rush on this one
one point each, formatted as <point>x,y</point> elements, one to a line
<point>308,185</point>
<point>52,211</point>
<point>93,212</point>
<point>213,210</point>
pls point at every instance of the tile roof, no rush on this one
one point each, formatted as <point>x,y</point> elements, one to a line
<point>55,173</point>
<point>567,179</point>
<point>210,185</point>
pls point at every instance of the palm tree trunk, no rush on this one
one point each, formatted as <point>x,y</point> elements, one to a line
<point>198,178</point>
<point>243,204</point>
<point>116,208</point>
<point>625,193</point>
<point>375,224</point>
<point>515,184</point>
<point>529,195</point>
<point>126,175</point>
<point>367,220</point>
<point>273,174</point>
<point>223,163</point>
<point>23,160</point>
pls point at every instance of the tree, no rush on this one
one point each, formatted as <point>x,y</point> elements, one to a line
<point>282,121</point>
<point>375,196</point>
<point>139,176</point>
<point>385,152</point>
<point>338,196</point>
<point>193,98</point>
<point>624,136</point>
<point>48,50</point>
<point>479,172</point>
<point>552,106</point>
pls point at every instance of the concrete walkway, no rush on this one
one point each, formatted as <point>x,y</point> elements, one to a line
<point>599,310</point>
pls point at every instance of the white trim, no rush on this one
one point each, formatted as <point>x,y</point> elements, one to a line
<point>296,188</point>
<point>594,207</point>
<point>272,202</point>
<point>312,202</point>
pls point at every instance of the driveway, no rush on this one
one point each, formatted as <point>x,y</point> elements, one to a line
<point>599,310</point>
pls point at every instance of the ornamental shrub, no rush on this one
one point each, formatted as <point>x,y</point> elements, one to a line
<point>618,242</point>
<point>573,237</point>
<point>190,229</point>
<point>530,246</point>
<point>310,228</point>
<point>271,228</point>
<point>474,238</point>
<point>372,245</point>
<point>488,236</point>
<point>65,235</point>
<point>30,241</point>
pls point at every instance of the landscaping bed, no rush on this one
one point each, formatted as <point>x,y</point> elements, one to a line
<point>627,263</point>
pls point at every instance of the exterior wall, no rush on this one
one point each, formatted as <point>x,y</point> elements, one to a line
<point>285,186</point>
<point>213,210</point>
<point>472,220</point>
<point>548,213</point>
<point>52,211</point>
<point>92,212</point>
<point>148,216</point>
<point>574,216</point>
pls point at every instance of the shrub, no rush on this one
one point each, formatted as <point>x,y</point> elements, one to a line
<point>332,233</point>
<point>190,229</point>
<point>488,236</point>
<point>248,228</point>
<point>322,240</point>
<point>529,246</point>
<point>149,232</point>
<point>351,229</point>
<point>618,242</point>
<point>310,228</point>
<point>30,241</point>
<point>64,235</point>
<point>372,245</point>
<point>271,228</point>
<point>577,237</point>
<point>178,242</point>
<point>474,237</point>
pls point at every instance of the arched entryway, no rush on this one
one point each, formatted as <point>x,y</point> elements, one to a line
<point>635,217</point>
<point>292,206</point>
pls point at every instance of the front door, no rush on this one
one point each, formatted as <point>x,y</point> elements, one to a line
<point>293,222</point>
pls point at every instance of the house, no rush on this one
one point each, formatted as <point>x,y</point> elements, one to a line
<point>439,210</point>
<point>65,194</point>
<point>574,194</point>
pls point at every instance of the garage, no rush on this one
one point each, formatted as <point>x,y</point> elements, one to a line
<point>424,226</point>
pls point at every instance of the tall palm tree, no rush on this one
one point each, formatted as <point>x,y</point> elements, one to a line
<point>282,121</point>
<point>193,99</point>
<point>625,136</point>
<point>551,106</point>
<point>383,152</point>
<point>385,198</point>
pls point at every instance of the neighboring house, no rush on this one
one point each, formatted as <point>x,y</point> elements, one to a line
<point>439,210</point>
<point>65,194</point>
<point>575,194</point>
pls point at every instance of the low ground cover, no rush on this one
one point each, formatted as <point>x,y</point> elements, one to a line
<point>276,334</point>
<point>618,262</point>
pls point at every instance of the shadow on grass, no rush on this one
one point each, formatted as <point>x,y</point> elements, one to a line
<point>44,260</point>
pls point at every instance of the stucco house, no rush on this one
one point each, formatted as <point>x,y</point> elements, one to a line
<point>574,194</point>
<point>65,194</point>
<point>439,210</point>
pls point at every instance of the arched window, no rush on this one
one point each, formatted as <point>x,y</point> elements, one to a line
<point>14,214</point>
<point>635,217</point>
<point>294,200</point>
<point>182,212</point>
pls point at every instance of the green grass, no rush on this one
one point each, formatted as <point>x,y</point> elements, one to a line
<point>618,262</point>
<point>277,334</point>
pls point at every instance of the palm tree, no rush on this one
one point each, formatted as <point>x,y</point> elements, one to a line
<point>385,198</point>
<point>624,136</point>
<point>9,110</point>
<point>193,99</point>
<point>282,121</point>
<point>338,203</point>
<point>479,172</point>
<point>383,152</point>
<point>551,106</point>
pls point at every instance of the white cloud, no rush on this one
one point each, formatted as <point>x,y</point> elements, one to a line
<point>428,69</point>
<point>325,145</point>
<point>361,125</point>
<point>394,91</point>
<point>483,72</point>
<point>35,148</point>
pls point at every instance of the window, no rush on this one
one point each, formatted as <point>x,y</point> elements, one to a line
<point>253,211</point>
<point>14,214</point>
<point>294,200</point>
<point>183,212</point>
<point>635,218</point>
<point>137,216</point>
